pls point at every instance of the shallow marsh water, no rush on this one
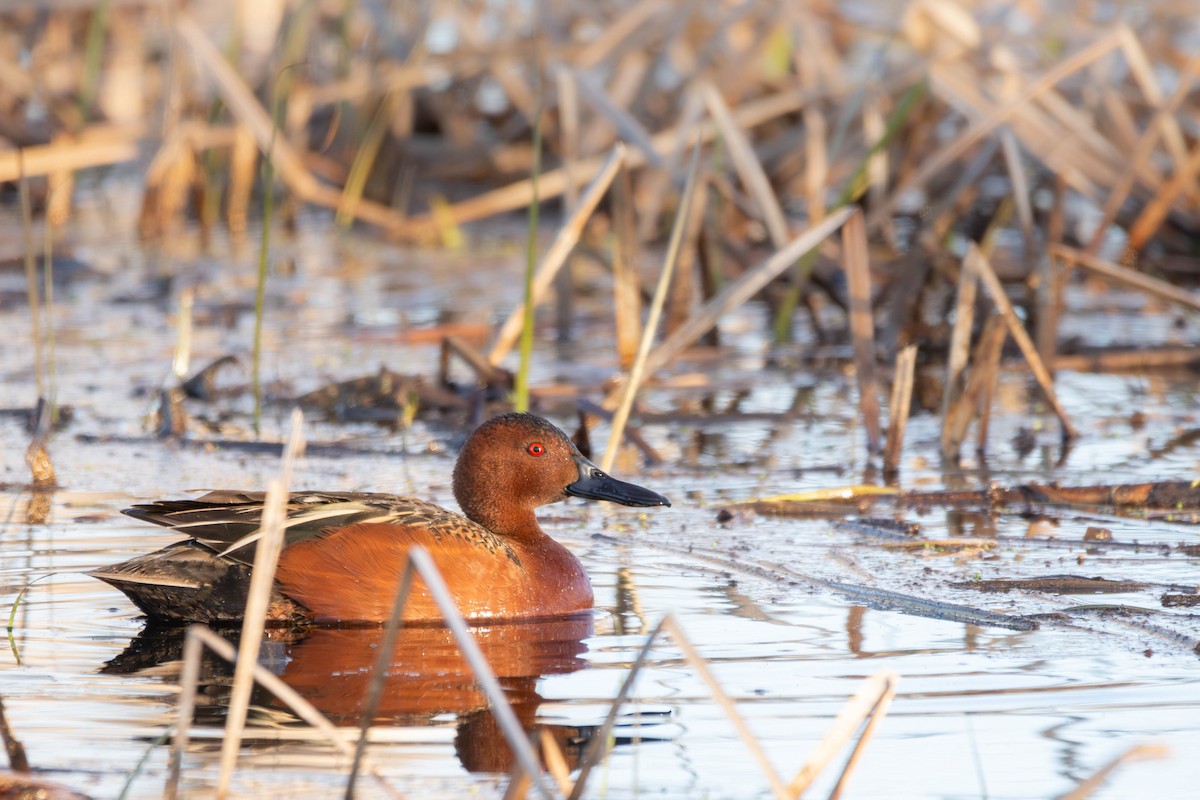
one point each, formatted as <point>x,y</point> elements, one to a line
<point>981,711</point>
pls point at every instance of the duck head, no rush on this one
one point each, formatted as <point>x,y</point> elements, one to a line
<point>514,463</point>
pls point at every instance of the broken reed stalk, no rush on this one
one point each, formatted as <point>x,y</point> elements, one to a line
<point>243,157</point>
<point>189,680</point>
<point>95,146</point>
<point>1148,81</point>
<point>627,290</point>
<point>598,744</point>
<point>1133,359</point>
<point>949,204</point>
<point>862,326</point>
<point>862,595</point>
<point>258,601</point>
<point>1139,160</point>
<point>690,654</point>
<point>816,161</point>
<point>977,262</point>
<point>739,291</point>
<point>244,106</point>
<point>981,386</point>
<point>17,760</point>
<point>1146,143</point>
<point>1124,276</point>
<point>563,243</point>
<point>552,183</point>
<point>968,403</point>
<point>997,116</point>
<point>877,166</point>
<point>614,35</point>
<point>37,455</point>
<point>521,385</point>
<point>998,223</point>
<point>752,175</point>
<point>1155,213</point>
<point>687,283</point>
<point>874,704</point>
<point>171,420</point>
<point>556,763</point>
<point>183,341</point>
<point>898,408</point>
<point>956,361</point>
<point>749,168</point>
<point>1020,189</point>
<point>870,702</point>
<point>1048,294</point>
<point>632,433</point>
<point>858,183</point>
<point>627,126</point>
<point>200,636</point>
<point>1051,129</point>
<point>484,372</point>
<point>638,369</point>
<point>655,185</point>
<point>1093,782</point>
<point>518,786</point>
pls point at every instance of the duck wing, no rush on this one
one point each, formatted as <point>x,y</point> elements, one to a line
<point>188,582</point>
<point>206,577</point>
<point>229,522</point>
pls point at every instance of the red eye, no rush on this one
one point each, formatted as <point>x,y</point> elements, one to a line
<point>536,449</point>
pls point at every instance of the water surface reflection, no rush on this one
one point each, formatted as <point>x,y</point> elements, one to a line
<point>429,677</point>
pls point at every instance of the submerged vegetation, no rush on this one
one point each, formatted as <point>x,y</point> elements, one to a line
<point>978,164</point>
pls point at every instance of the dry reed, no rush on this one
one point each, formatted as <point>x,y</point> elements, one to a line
<point>898,408</point>
<point>773,79</point>
<point>258,600</point>
<point>637,370</point>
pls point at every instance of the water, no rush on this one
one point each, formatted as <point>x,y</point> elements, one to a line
<point>981,711</point>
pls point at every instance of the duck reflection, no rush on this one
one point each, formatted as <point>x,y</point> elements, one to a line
<point>428,676</point>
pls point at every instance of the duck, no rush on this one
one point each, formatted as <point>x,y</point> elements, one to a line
<point>344,552</point>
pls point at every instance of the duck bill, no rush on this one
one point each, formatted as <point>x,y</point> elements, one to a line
<point>595,484</point>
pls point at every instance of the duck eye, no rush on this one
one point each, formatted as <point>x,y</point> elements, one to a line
<point>536,449</point>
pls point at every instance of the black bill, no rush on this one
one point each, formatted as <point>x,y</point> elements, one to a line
<point>596,485</point>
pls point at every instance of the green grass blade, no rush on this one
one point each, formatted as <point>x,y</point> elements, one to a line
<point>364,162</point>
<point>263,252</point>
<point>136,772</point>
<point>521,384</point>
<point>93,54</point>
